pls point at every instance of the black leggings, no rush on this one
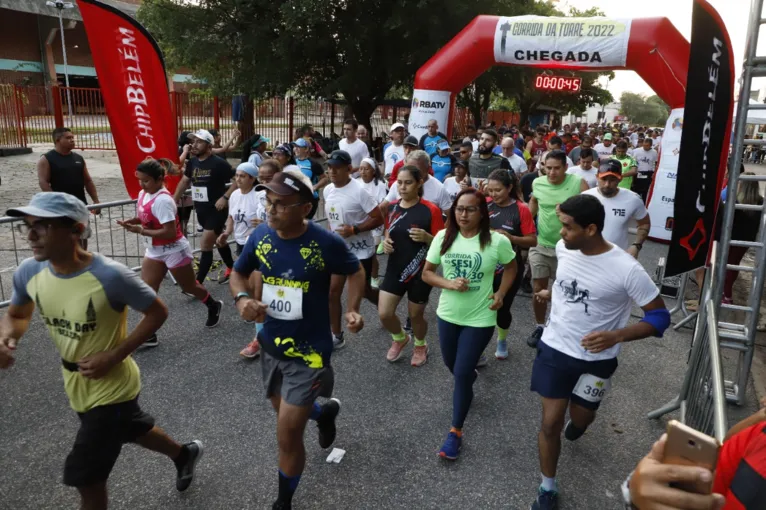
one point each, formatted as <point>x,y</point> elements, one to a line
<point>504,316</point>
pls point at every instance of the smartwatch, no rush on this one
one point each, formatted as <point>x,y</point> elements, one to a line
<point>240,295</point>
<point>638,245</point>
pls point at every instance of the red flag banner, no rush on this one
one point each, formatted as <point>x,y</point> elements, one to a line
<point>131,74</point>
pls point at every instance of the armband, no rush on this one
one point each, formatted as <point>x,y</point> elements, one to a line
<point>659,320</point>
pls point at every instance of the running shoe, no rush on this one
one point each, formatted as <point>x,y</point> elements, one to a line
<point>526,286</point>
<point>451,447</point>
<point>408,325</point>
<point>338,342</point>
<point>281,505</point>
<point>326,422</point>
<point>501,352</point>
<point>535,337</point>
<point>397,348</point>
<point>380,251</point>
<point>573,433</point>
<point>419,355</point>
<point>225,277</point>
<point>375,283</point>
<point>482,361</point>
<point>152,341</point>
<point>185,471</point>
<point>253,350</point>
<point>546,500</point>
<point>214,315</point>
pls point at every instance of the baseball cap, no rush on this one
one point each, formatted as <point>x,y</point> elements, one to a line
<point>411,140</point>
<point>248,168</point>
<point>285,184</point>
<point>53,204</point>
<point>610,167</point>
<point>339,158</point>
<point>608,136</point>
<point>396,126</point>
<point>283,147</point>
<point>443,145</point>
<point>260,140</point>
<point>301,142</point>
<point>202,134</point>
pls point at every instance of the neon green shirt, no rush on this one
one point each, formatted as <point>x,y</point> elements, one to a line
<point>548,197</point>
<point>466,259</point>
<point>627,163</point>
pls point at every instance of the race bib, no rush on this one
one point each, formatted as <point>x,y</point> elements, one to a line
<point>334,215</point>
<point>284,303</point>
<point>199,193</point>
<point>147,241</point>
<point>591,388</point>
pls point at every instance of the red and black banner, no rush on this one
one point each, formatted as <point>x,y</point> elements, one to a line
<point>704,141</point>
<point>131,74</point>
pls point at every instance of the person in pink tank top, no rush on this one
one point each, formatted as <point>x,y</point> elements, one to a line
<point>167,249</point>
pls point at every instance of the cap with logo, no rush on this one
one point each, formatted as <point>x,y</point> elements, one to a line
<point>285,149</point>
<point>53,204</point>
<point>610,167</point>
<point>339,158</point>
<point>443,145</point>
<point>395,126</point>
<point>285,184</point>
<point>202,134</point>
<point>411,140</point>
<point>608,136</point>
<point>301,142</point>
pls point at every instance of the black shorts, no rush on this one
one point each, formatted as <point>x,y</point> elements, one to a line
<point>240,249</point>
<point>184,213</point>
<point>211,218</point>
<point>103,431</point>
<point>367,265</point>
<point>416,289</point>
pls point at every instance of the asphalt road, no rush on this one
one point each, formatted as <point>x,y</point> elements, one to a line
<point>392,423</point>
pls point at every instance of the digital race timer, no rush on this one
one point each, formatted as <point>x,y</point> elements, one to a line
<point>558,83</point>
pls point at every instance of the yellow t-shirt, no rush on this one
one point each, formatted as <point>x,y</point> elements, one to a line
<point>86,313</point>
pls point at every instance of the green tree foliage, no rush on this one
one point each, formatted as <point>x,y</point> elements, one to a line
<point>651,111</point>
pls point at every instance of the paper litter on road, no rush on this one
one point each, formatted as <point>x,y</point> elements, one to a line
<point>336,455</point>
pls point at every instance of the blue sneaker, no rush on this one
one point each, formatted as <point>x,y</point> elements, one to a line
<point>451,447</point>
<point>546,500</point>
<point>502,350</point>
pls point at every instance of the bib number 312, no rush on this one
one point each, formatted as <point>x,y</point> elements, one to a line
<point>591,388</point>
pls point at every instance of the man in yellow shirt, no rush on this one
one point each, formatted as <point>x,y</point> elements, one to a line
<point>83,300</point>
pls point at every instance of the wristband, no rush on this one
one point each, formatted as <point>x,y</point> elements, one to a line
<point>240,295</point>
<point>355,229</point>
<point>638,245</point>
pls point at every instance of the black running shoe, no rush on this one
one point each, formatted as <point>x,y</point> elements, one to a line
<point>214,314</point>
<point>281,505</point>
<point>151,341</point>
<point>526,286</point>
<point>326,422</point>
<point>535,337</point>
<point>408,325</point>
<point>186,470</point>
<point>573,433</point>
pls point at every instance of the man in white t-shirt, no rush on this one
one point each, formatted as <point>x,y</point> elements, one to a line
<point>433,190</point>
<point>605,149</point>
<point>646,157</point>
<point>585,169</point>
<point>353,214</point>
<point>622,206</point>
<point>394,151</point>
<point>591,300</point>
<point>518,165</point>
<point>355,147</point>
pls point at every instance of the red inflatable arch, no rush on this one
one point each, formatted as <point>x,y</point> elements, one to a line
<point>650,46</point>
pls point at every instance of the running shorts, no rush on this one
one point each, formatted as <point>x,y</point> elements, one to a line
<point>211,218</point>
<point>294,382</point>
<point>174,259</point>
<point>416,289</point>
<point>543,262</point>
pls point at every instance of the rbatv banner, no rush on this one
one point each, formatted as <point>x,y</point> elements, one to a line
<point>663,190</point>
<point>131,74</point>
<point>428,105</point>
<point>704,140</point>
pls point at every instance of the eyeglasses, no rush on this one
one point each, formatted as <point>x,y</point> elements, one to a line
<point>470,209</point>
<point>280,208</point>
<point>40,228</point>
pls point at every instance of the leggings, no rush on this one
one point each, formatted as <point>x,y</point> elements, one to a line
<point>504,316</point>
<point>461,348</point>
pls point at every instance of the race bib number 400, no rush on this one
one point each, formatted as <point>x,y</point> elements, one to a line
<point>199,193</point>
<point>591,388</point>
<point>284,303</point>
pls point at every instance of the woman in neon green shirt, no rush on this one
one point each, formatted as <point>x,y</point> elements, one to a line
<point>467,311</point>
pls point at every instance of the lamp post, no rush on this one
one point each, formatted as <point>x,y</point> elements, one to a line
<point>60,6</point>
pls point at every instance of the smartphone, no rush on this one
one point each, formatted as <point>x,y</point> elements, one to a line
<point>686,446</point>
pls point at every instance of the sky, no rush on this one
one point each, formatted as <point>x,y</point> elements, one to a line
<point>733,12</point>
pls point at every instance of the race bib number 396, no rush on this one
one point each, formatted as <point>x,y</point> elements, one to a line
<point>591,388</point>
<point>284,303</point>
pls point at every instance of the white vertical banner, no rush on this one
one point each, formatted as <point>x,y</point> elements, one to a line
<point>427,105</point>
<point>664,188</point>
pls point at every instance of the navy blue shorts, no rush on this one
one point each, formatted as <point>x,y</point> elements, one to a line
<point>555,374</point>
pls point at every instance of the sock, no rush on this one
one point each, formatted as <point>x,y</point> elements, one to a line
<point>458,432</point>
<point>316,412</point>
<point>258,328</point>
<point>541,326</point>
<point>420,343</point>
<point>549,484</point>
<point>205,261</point>
<point>287,486</point>
<point>182,457</point>
<point>225,254</point>
<point>209,301</point>
<point>502,334</point>
<point>399,337</point>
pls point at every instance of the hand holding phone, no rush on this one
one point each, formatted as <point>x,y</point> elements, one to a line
<point>686,446</point>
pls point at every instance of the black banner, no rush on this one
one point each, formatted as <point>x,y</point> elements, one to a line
<point>704,141</point>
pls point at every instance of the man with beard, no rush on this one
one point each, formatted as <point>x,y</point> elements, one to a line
<point>605,149</point>
<point>482,164</point>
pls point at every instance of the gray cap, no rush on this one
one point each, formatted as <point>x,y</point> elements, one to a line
<point>52,204</point>
<point>411,140</point>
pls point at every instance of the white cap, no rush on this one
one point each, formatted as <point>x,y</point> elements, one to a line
<point>202,134</point>
<point>397,126</point>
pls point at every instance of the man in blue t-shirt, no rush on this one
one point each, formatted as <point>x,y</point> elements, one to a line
<point>293,260</point>
<point>310,167</point>
<point>443,162</point>
<point>430,140</point>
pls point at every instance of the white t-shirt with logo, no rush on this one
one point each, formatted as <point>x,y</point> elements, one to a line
<point>584,301</point>
<point>392,156</point>
<point>357,150</point>
<point>243,209</point>
<point>620,210</point>
<point>452,187</point>
<point>603,151</point>
<point>351,205</point>
<point>589,176</point>
<point>261,213</point>
<point>647,161</point>
<point>433,191</point>
<point>378,192</point>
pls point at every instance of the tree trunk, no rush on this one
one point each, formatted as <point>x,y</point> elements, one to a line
<point>362,110</point>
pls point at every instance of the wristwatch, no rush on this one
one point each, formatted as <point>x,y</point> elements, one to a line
<point>355,229</point>
<point>240,295</point>
<point>638,245</point>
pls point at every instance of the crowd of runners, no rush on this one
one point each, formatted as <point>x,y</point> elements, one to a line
<point>547,212</point>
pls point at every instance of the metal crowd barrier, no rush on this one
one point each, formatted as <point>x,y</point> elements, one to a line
<point>107,238</point>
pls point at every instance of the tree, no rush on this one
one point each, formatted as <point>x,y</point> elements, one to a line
<point>650,111</point>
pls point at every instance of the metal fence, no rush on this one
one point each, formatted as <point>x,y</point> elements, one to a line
<point>12,132</point>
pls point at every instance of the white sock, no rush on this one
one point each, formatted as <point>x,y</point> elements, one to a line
<point>549,484</point>
<point>541,326</point>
